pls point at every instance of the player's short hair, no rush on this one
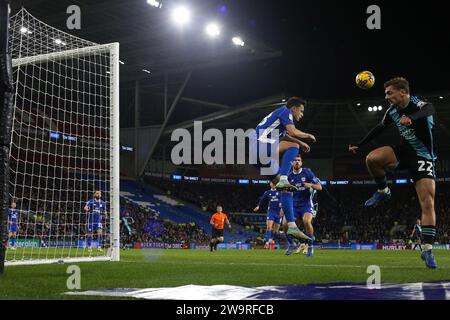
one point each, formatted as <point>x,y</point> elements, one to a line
<point>398,83</point>
<point>295,102</point>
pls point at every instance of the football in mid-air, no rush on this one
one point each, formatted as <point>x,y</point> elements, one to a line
<point>365,80</point>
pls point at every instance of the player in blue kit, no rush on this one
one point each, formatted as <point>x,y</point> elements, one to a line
<point>305,206</point>
<point>274,218</point>
<point>13,225</point>
<point>275,135</point>
<point>95,208</point>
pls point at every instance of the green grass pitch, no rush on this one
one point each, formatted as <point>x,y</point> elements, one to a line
<point>168,268</point>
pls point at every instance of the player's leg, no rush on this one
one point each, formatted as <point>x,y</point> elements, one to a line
<point>303,247</point>
<point>211,244</point>
<point>276,231</point>
<point>292,244</point>
<point>89,236</point>
<point>269,225</point>
<point>289,150</point>
<point>214,238</point>
<point>288,209</point>
<point>378,161</point>
<point>89,233</point>
<point>307,222</point>
<point>100,239</point>
<point>290,240</point>
<point>419,243</point>
<point>12,238</point>
<point>425,189</point>
<point>219,240</point>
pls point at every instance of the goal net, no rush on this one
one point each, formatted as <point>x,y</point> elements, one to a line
<point>64,146</point>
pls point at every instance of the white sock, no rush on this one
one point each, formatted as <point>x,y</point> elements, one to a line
<point>292,225</point>
<point>427,247</point>
<point>385,190</point>
<point>283,178</point>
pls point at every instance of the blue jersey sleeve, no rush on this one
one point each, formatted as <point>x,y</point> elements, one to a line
<point>286,117</point>
<point>263,199</point>
<point>312,177</point>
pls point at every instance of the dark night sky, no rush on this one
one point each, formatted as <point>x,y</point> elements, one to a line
<point>326,43</point>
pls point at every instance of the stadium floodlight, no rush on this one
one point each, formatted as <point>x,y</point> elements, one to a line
<point>380,108</point>
<point>238,41</point>
<point>358,104</point>
<point>213,29</point>
<point>283,100</point>
<point>155,3</point>
<point>441,98</point>
<point>181,15</point>
<point>59,41</point>
<point>370,109</point>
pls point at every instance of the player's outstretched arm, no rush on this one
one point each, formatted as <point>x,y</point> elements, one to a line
<point>376,131</point>
<point>315,186</point>
<point>305,147</point>
<point>369,137</point>
<point>294,132</point>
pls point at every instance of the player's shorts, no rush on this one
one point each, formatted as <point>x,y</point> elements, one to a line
<point>418,167</point>
<point>217,233</point>
<point>94,227</point>
<point>12,228</point>
<point>299,212</point>
<point>275,216</point>
<point>416,237</point>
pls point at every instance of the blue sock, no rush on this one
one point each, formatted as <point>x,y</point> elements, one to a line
<point>89,242</point>
<point>286,163</point>
<point>288,206</point>
<point>311,242</point>
<point>289,240</point>
<point>100,241</point>
<point>268,233</point>
<point>13,242</point>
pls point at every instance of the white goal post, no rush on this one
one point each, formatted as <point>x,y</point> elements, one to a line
<point>64,146</point>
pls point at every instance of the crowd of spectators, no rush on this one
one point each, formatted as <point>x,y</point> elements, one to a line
<point>146,226</point>
<point>341,216</point>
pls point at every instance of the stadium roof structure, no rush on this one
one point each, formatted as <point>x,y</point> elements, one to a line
<point>148,39</point>
<point>335,123</point>
<point>191,77</point>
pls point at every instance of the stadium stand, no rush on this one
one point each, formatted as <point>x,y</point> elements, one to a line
<point>346,220</point>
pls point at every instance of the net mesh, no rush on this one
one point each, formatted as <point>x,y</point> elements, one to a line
<point>61,142</point>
